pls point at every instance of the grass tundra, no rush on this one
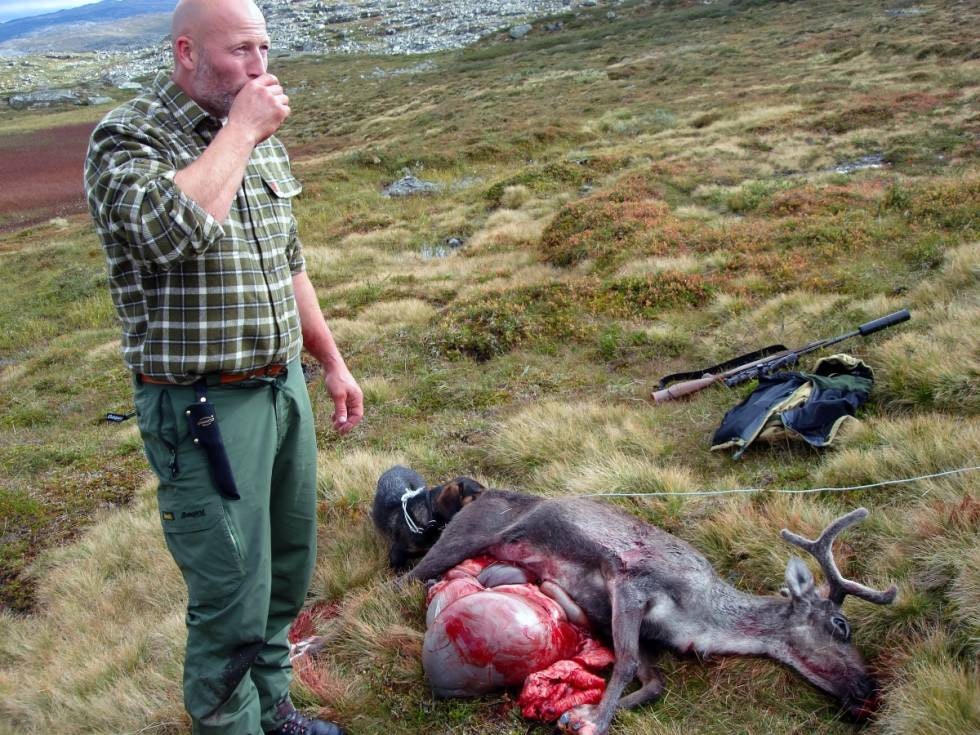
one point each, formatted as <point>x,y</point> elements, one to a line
<point>653,187</point>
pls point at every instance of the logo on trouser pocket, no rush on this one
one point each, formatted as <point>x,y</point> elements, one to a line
<point>203,544</point>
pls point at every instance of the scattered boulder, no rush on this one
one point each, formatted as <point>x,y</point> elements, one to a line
<point>410,185</point>
<point>872,160</point>
<point>46,98</point>
<point>448,247</point>
<point>520,31</point>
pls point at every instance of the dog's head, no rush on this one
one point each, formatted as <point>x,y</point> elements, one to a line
<point>451,498</point>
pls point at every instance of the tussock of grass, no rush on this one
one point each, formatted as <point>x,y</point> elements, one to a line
<point>742,539</point>
<point>506,230</point>
<point>905,447</point>
<point>514,273</point>
<point>537,436</point>
<point>917,369</point>
<point>456,273</point>
<point>964,594</point>
<point>403,312</point>
<point>940,696</point>
<point>352,331</point>
<point>514,196</point>
<point>617,472</point>
<point>347,479</point>
<point>390,239</point>
<point>350,554</point>
<point>960,275</point>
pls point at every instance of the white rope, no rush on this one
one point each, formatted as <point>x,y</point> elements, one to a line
<point>746,490</point>
<point>408,495</point>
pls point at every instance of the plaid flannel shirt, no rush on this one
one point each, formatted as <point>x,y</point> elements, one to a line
<point>195,296</point>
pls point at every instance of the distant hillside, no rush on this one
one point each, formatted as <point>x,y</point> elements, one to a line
<point>102,12</point>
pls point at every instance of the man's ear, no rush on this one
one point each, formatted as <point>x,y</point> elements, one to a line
<point>185,55</point>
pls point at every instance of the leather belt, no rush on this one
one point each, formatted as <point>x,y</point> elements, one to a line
<point>269,371</point>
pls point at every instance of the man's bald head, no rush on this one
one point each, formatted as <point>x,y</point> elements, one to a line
<point>219,45</point>
<point>198,18</point>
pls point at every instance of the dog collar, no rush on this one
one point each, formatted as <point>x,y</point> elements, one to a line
<point>409,521</point>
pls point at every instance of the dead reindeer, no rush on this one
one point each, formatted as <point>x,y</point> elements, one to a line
<point>648,590</point>
<point>411,516</point>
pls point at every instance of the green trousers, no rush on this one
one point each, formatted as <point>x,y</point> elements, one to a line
<point>247,563</point>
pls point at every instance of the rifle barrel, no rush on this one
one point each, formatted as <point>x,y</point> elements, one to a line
<point>902,315</point>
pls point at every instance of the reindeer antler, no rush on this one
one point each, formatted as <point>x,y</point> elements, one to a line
<point>823,553</point>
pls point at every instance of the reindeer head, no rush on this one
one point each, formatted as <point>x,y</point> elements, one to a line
<point>816,638</point>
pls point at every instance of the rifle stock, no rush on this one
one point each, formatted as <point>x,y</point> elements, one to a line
<point>679,390</point>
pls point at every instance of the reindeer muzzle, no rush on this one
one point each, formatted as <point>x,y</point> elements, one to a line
<point>863,701</point>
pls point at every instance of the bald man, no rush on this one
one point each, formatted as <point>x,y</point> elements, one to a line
<point>191,195</point>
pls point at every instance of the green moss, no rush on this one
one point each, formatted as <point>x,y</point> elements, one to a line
<point>649,296</point>
<point>544,179</point>
<point>603,229</point>
<point>498,323</point>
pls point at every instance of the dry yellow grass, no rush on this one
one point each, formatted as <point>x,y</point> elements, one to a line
<point>507,229</point>
<point>105,653</point>
<point>348,478</point>
<point>934,696</point>
<point>676,264</point>
<point>389,239</point>
<point>600,471</point>
<point>957,283</point>
<point>398,313</point>
<point>540,439</point>
<point>904,447</point>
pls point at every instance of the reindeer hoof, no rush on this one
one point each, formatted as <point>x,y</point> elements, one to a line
<point>577,721</point>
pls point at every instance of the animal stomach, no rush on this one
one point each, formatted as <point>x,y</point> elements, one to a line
<point>585,586</point>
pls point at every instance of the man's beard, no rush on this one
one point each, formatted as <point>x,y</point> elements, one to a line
<point>212,95</point>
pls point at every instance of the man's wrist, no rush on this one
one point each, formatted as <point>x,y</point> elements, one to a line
<point>240,133</point>
<point>334,365</point>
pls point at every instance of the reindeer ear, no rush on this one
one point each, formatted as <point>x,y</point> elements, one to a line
<point>799,580</point>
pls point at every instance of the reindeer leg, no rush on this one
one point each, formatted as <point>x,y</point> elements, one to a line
<point>628,608</point>
<point>651,680</point>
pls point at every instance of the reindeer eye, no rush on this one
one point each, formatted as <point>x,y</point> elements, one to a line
<point>839,628</point>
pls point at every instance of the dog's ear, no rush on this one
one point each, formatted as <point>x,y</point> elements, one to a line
<point>471,489</point>
<point>448,500</point>
<point>454,495</point>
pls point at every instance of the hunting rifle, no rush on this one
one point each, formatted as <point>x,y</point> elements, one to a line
<point>761,362</point>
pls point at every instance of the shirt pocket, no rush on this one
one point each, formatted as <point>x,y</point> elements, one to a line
<point>280,187</point>
<point>282,184</point>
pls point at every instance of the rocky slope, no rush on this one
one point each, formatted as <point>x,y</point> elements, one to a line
<point>105,52</point>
